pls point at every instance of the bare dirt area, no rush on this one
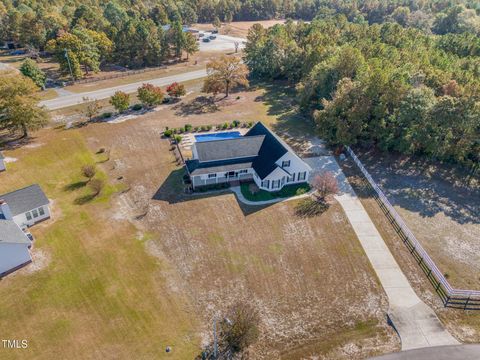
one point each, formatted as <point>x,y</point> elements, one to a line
<point>309,278</point>
<point>464,325</point>
<point>441,206</point>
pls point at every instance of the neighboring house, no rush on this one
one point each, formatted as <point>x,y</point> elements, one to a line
<point>14,243</point>
<point>26,206</point>
<point>2,162</point>
<point>259,155</point>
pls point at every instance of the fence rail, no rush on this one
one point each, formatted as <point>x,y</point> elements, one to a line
<point>115,76</point>
<point>451,297</point>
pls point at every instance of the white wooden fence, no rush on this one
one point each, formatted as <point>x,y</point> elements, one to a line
<point>459,298</point>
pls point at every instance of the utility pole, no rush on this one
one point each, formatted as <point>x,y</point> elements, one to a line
<point>69,66</point>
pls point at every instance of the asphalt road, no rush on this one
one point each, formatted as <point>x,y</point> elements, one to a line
<point>455,352</point>
<point>74,99</point>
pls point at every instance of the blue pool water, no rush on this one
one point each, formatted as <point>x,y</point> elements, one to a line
<point>218,136</point>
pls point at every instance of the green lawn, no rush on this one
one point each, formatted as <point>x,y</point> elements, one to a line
<point>285,192</point>
<point>100,294</point>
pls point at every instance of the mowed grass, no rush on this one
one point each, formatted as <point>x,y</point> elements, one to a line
<point>99,294</point>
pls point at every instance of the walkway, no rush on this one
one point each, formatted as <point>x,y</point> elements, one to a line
<point>456,352</point>
<point>416,324</point>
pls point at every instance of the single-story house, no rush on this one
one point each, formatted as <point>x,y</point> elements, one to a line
<point>2,162</point>
<point>26,206</point>
<point>259,155</point>
<point>14,246</point>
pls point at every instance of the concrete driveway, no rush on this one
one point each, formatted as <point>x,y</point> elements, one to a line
<point>456,352</point>
<point>221,43</point>
<point>74,99</point>
<point>416,323</point>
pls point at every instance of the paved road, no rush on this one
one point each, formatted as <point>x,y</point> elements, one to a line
<point>458,352</point>
<point>415,322</point>
<point>74,99</point>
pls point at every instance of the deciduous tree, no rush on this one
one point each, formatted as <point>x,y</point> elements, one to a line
<point>224,74</point>
<point>120,101</point>
<point>30,69</point>
<point>150,95</point>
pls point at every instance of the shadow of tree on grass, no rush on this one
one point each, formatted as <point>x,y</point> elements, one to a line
<point>75,186</point>
<point>199,105</point>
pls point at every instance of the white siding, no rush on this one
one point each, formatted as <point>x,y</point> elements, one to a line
<point>22,221</point>
<point>13,255</point>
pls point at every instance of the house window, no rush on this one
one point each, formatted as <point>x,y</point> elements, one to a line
<point>29,216</point>
<point>291,178</point>
<point>275,184</point>
<point>35,213</point>
<point>286,163</point>
<point>266,183</point>
<point>302,176</point>
<point>41,211</point>
<point>244,171</point>
<point>212,176</point>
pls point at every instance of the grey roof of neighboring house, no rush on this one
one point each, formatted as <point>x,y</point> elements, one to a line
<point>196,168</point>
<point>26,199</point>
<point>241,147</point>
<point>11,233</point>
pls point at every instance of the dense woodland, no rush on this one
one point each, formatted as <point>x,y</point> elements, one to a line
<point>382,85</point>
<point>403,75</point>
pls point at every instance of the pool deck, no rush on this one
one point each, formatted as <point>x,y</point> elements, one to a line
<point>189,139</point>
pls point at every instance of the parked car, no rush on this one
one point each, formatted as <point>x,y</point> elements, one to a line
<point>212,37</point>
<point>206,40</point>
<point>215,31</point>
<point>201,35</point>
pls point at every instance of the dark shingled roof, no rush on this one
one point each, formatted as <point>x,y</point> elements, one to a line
<point>11,233</point>
<point>259,147</point>
<point>241,147</point>
<point>26,199</point>
<point>271,150</point>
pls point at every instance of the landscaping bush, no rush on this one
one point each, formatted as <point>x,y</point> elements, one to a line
<point>250,124</point>
<point>301,191</point>
<point>167,133</point>
<point>137,107</point>
<point>204,128</point>
<point>263,195</point>
<point>225,126</point>
<point>196,129</point>
<point>235,123</point>
<point>188,127</point>
<point>209,127</point>
<point>180,130</point>
<point>150,95</point>
<point>107,115</point>
<point>178,139</point>
<point>89,171</point>
<point>176,90</point>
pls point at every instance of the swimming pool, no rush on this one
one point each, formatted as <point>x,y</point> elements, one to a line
<point>218,136</point>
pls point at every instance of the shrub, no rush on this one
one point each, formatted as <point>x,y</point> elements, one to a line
<point>250,124</point>
<point>209,127</point>
<point>242,327</point>
<point>107,115</point>
<point>167,133</point>
<point>196,128</point>
<point>187,127</point>
<point>225,126</point>
<point>204,128</point>
<point>180,131</point>
<point>120,101</point>
<point>137,107</point>
<point>235,123</point>
<point>178,139</point>
<point>96,185</point>
<point>150,95</point>
<point>89,171</point>
<point>176,90</point>
<point>300,191</point>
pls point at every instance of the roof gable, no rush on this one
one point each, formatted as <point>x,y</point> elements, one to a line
<point>11,233</point>
<point>271,150</point>
<point>26,199</point>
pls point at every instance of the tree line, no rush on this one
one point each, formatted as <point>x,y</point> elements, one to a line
<point>395,88</point>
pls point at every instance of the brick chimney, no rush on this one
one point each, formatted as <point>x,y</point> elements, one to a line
<point>5,210</point>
